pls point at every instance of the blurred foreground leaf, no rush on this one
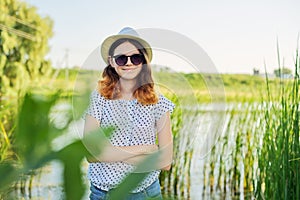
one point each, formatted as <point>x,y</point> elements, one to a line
<point>8,174</point>
<point>71,156</point>
<point>33,135</point>
<point>33,139</point>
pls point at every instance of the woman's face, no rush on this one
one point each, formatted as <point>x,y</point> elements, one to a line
<point>129,71</point>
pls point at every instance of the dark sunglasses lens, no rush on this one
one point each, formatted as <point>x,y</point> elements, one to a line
<point>137,59</point>
<point>121,60</point>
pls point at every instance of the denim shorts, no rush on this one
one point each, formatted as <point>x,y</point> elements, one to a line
<point>151,192</point>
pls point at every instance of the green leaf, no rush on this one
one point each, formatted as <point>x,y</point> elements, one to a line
<point>33,136</point>
<point>8,174</point>
<point>71,156</point>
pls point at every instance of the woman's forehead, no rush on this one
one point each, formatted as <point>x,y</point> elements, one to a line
<point>125,48</point>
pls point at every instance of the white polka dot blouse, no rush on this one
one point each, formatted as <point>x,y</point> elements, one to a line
<point>134,124</point>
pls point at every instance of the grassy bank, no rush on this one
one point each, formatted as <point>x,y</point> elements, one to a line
<point>235,87</point>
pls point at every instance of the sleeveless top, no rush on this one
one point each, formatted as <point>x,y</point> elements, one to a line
<point>135,124</point>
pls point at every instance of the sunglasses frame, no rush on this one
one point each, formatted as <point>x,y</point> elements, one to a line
<point>136,54</point>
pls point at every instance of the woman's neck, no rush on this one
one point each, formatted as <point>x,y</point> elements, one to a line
<point>127,88</point>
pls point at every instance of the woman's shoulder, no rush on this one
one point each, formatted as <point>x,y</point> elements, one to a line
<point>163,105</point>
<point>162,99</point>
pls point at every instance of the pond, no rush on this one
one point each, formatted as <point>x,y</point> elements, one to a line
<point>213,154</point>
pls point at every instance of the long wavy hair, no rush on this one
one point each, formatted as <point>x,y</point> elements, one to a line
<point>144,92</point>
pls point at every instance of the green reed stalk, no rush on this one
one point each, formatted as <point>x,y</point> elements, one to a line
<point>7,126</point>
<point>295,162</point>
<point>278,162</point>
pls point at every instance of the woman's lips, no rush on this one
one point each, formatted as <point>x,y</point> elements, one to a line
<point>128,69</point>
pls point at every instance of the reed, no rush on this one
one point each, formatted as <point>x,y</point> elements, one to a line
<point>234,168</point>
<point>279,155</point>
<point>7,126</point>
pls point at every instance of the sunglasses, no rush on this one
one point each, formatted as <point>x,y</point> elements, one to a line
<point>135,59</point>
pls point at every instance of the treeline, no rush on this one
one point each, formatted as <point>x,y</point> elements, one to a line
<point>24,36</point>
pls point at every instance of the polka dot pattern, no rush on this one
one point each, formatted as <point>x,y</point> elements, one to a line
<point>135,124</point>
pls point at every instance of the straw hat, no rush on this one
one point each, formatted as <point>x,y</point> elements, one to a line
<point>126,32</point>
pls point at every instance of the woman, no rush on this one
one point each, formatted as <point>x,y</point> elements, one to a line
<point>126,100</point>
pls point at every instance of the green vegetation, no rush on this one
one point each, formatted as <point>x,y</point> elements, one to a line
<point>282,71</point>
<point>34,136</point>
<point>256,153</point>
<point>244,128</point>
<point>279,156</point>
<point>238,87</point>
<point>23,45</point>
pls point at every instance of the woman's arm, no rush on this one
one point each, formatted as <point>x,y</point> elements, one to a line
<point>165,142</point>
<point>110,153</point>
<point>165,145</point>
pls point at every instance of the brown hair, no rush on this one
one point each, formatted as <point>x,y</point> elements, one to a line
<point>109,85</point>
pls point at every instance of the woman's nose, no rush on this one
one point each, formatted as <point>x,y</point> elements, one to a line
<point>128,63</point>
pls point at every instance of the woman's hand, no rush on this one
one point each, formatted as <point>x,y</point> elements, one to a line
<point>135,154</point>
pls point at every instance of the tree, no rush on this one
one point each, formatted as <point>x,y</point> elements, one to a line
<point>282,71</point>
<point>23,45</point>
<point>255,71</point>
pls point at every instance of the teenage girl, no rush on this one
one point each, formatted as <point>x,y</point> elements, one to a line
<point>126,100</point>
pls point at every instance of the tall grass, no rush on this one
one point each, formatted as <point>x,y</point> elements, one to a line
<point>7,126</point>
<point>279,155</point>
<point>176,182</point>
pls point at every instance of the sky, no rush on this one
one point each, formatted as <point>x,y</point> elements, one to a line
<point>236,35</point>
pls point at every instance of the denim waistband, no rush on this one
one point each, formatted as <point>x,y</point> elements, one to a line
<point>152,191</point>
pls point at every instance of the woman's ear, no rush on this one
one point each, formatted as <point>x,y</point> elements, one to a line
<point>110,61</point>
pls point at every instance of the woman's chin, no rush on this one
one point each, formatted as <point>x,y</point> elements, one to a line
<point>128,77</point>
